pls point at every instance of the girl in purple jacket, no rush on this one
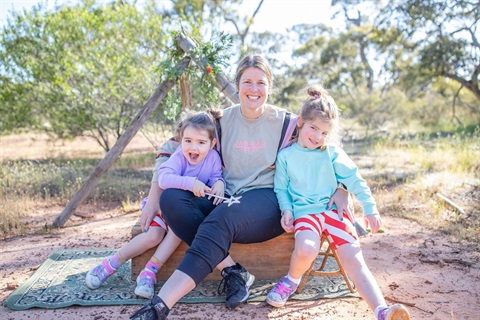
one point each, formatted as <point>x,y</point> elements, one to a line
<point>196,167</point>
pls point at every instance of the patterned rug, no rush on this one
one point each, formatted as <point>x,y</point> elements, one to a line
<point>60,282</point>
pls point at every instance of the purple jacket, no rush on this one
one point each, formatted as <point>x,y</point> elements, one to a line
<point>177,173</point>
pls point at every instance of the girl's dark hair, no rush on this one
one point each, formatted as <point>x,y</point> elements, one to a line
<point>199,120</point>
<point>321,105</point>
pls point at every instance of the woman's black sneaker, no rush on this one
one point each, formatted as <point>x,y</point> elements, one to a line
<point>236,282</point>
<point>155,309</point>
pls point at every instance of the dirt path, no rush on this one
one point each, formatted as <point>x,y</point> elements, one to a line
<point>438,277</point>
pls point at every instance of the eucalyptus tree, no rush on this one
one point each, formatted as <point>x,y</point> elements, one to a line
<point>395,51</point>
<point>446,37</point>
<point>342,60</point>
<point>431,48</point>
<point>84,69</point>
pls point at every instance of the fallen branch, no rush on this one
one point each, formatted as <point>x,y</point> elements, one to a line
<point>458,261</point>
<point>410,304</point>
<point>429,261</point>
<point>452,204</point>
<point>427,241</point>
<point>446,260</point>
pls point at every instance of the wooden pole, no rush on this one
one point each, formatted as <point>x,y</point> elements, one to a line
<point>223,84</point>
<point>151,104</point>
<point>452,204</point>
<point>186,89</point>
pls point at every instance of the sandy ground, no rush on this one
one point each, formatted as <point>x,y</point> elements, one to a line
<point>437,277</point>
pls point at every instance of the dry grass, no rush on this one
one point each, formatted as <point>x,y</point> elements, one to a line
<point>37,172</point>
<point>406,181</point>
<point>404,176</point>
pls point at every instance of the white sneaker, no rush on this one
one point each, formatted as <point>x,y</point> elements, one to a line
<point>96,276</point>
<point>145,287</point>
<point>394,312</point>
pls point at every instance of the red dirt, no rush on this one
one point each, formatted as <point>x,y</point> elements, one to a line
<point>436,276</point>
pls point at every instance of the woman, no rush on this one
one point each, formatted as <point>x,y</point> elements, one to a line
<point>250,138</point>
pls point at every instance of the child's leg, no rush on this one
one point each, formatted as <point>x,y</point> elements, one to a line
<point>99,274</point>
<point>167,247</point>
<point>142,243</point>
<point>344,239</point>
<point>351,258</point>
<point>307,245</point>
<point>147,278</point>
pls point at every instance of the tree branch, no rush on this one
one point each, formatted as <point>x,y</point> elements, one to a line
<point>222,83</point>
<point>250,21</point>
<point>455,97</point>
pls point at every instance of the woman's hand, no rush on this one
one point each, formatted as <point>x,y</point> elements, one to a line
<point>218,189</point>
<point>343,202</point>
<point>373,221</point>
<point>287,221</point>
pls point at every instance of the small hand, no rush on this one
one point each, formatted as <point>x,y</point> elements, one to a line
<point>199,188</point>
<point>287,221</point>
<point>218,189</point>
<point>373,221</point>
<point>149,211</point>
<point>229,201</point>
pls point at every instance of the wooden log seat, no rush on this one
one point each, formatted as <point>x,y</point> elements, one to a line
<point>265,260</point>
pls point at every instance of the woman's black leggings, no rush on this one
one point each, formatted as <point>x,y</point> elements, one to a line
<point>210,230</point>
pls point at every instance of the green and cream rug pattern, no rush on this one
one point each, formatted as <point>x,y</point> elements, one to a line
<point>60,282</point>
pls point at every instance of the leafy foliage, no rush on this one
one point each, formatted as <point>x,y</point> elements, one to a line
<point>215,53</point>
<point>86,69</point>
<point>83,69</point>
<point>445,35</point>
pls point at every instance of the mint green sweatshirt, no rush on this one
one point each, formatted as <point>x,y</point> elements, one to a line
<point>306,179</point>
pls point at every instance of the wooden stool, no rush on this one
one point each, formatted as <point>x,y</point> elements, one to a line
<point>265,260</point>
<point>326,253</point>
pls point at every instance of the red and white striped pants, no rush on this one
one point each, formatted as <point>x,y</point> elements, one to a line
<point>338,232</point>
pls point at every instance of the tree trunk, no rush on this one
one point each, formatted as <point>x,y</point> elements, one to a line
<point>186,88</point>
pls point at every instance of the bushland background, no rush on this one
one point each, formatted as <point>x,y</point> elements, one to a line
<point>404,73</point>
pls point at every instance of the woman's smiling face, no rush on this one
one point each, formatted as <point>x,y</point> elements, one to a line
<point>253,91</point>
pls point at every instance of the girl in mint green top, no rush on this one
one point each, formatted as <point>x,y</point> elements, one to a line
<point>313,176</point>
<point>307,174</point>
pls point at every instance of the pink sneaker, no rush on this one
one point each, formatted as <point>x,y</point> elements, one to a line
<point>394,312</point>
<point>278,296</point>
<point>96,276</point>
